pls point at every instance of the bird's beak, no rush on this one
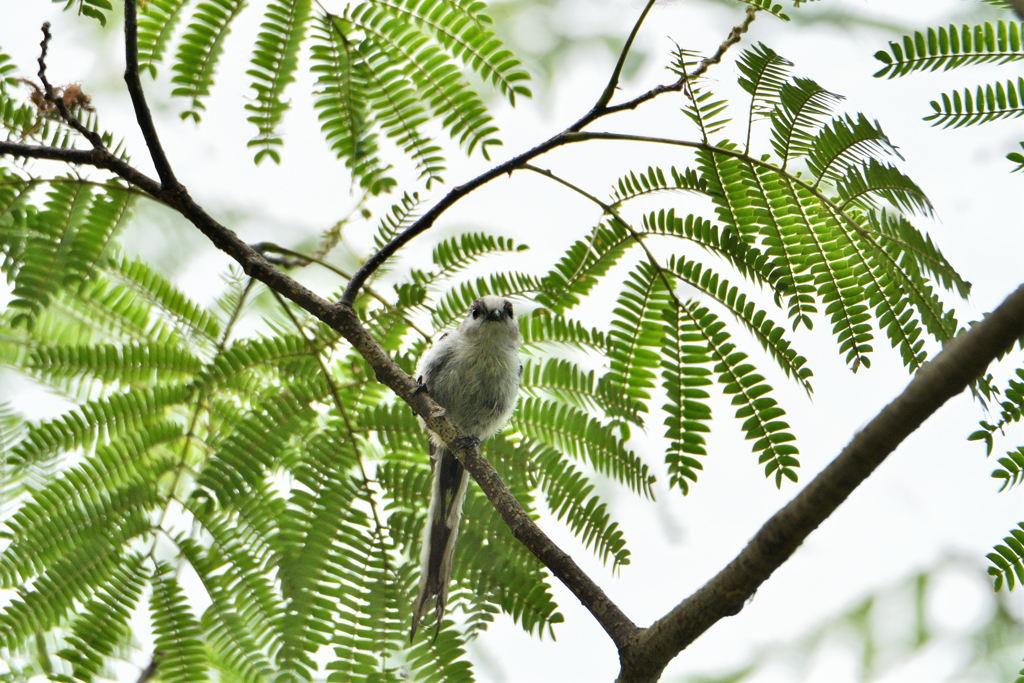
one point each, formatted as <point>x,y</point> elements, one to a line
<point>495,315</point>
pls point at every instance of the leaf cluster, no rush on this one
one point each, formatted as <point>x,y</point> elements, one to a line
<point>278,469</point>
<point>383,69</point>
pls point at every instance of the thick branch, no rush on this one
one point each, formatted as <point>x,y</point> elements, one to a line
<point>343,318</point>
<point>97,158</point>
<point>961,361</point>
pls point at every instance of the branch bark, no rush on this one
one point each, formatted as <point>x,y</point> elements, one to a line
<point>963,360</point>
<point>643,652</point>
<point>567,136</point>
<point>342,318</point>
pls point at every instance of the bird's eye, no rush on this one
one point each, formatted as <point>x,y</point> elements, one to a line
<point>508,309</point>
<point>475,311</point>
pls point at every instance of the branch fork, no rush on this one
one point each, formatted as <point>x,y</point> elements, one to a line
<point>643,652</point>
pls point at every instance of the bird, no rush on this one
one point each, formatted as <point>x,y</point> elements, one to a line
<point>473,373</point>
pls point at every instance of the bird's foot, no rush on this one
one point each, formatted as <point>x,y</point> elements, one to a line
<point>464,442</point>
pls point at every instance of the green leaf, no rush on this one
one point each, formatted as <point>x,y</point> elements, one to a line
<point>46,261</point>
<point>199,51</point>
<point>989,103</point>
<point>273,66</point>
<point>157,21</point>
<point>570,498</point>
<point>102,627</point>
<point>576,434</point>
<point>1008,560</point>
<point>844,143</point>
<point>951,47</point>
<point>803,106</point>
<point>342,100</point>
<point>635,335</point>
<point>760,413</point>
<point>178,637</point>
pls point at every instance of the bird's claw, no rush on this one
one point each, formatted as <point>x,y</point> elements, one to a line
<point>464,442</point>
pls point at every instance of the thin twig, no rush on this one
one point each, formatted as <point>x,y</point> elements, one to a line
<point>142,114</point>
<point>48,93</point>
<point>613,82</point>
<point>425,221</point>
<point>613,212</point>
<point>295,259</point>
<point>734,37</point>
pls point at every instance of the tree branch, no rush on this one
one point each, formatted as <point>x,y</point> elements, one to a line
<point>613,82</point>
<point>142,113</point>
<point>599,110</point>
<point>962,360</point>
<point>343,318</point>
<point>50,96</point>
<point>734,37</point>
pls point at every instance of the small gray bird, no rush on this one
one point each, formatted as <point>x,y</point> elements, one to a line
<point>473,373</point>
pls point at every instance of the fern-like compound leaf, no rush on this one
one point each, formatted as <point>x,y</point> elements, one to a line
<point>726,243</point>
<point>583,264</point>
<point>684,357</point>
<point>102,627</point>
<point>576,434</point>
<point>178,636</point>
<point>199,51</point>
<point>437,79</point>
<point>988,103</point>
<point>952,47</point>
<point>274,62</point>
<point>563,380</point>
<point>341,99</point>
<point>135,363</point>
<point>803,107</point>
<point>1011,469</point>
<point>1008,560</point>
<point>763,73</point>
<point>71,579</point>
<point>707,113</point>
<point>157,21</point>
<point>545,327</point>
<point>571,498</point>
<point>769,335</point>
<point>465,31</point>
<point>760,413</point>
<point>845,142</point>
<point>456,253</point>
<point>46,257</point>
<point>192,321</point>
<point>109,417</point>
<point>876,179</point>
<point>635,334</point>
<point>634,185</point>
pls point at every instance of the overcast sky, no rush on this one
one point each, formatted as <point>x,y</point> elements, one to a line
<point>932,500</point>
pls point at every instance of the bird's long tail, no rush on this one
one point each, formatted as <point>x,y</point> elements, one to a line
<point>447,495</point>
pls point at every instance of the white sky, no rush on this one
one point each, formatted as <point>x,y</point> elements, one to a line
<point>932,499</point>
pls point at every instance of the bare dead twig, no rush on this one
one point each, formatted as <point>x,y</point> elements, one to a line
<point>59,101</point>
